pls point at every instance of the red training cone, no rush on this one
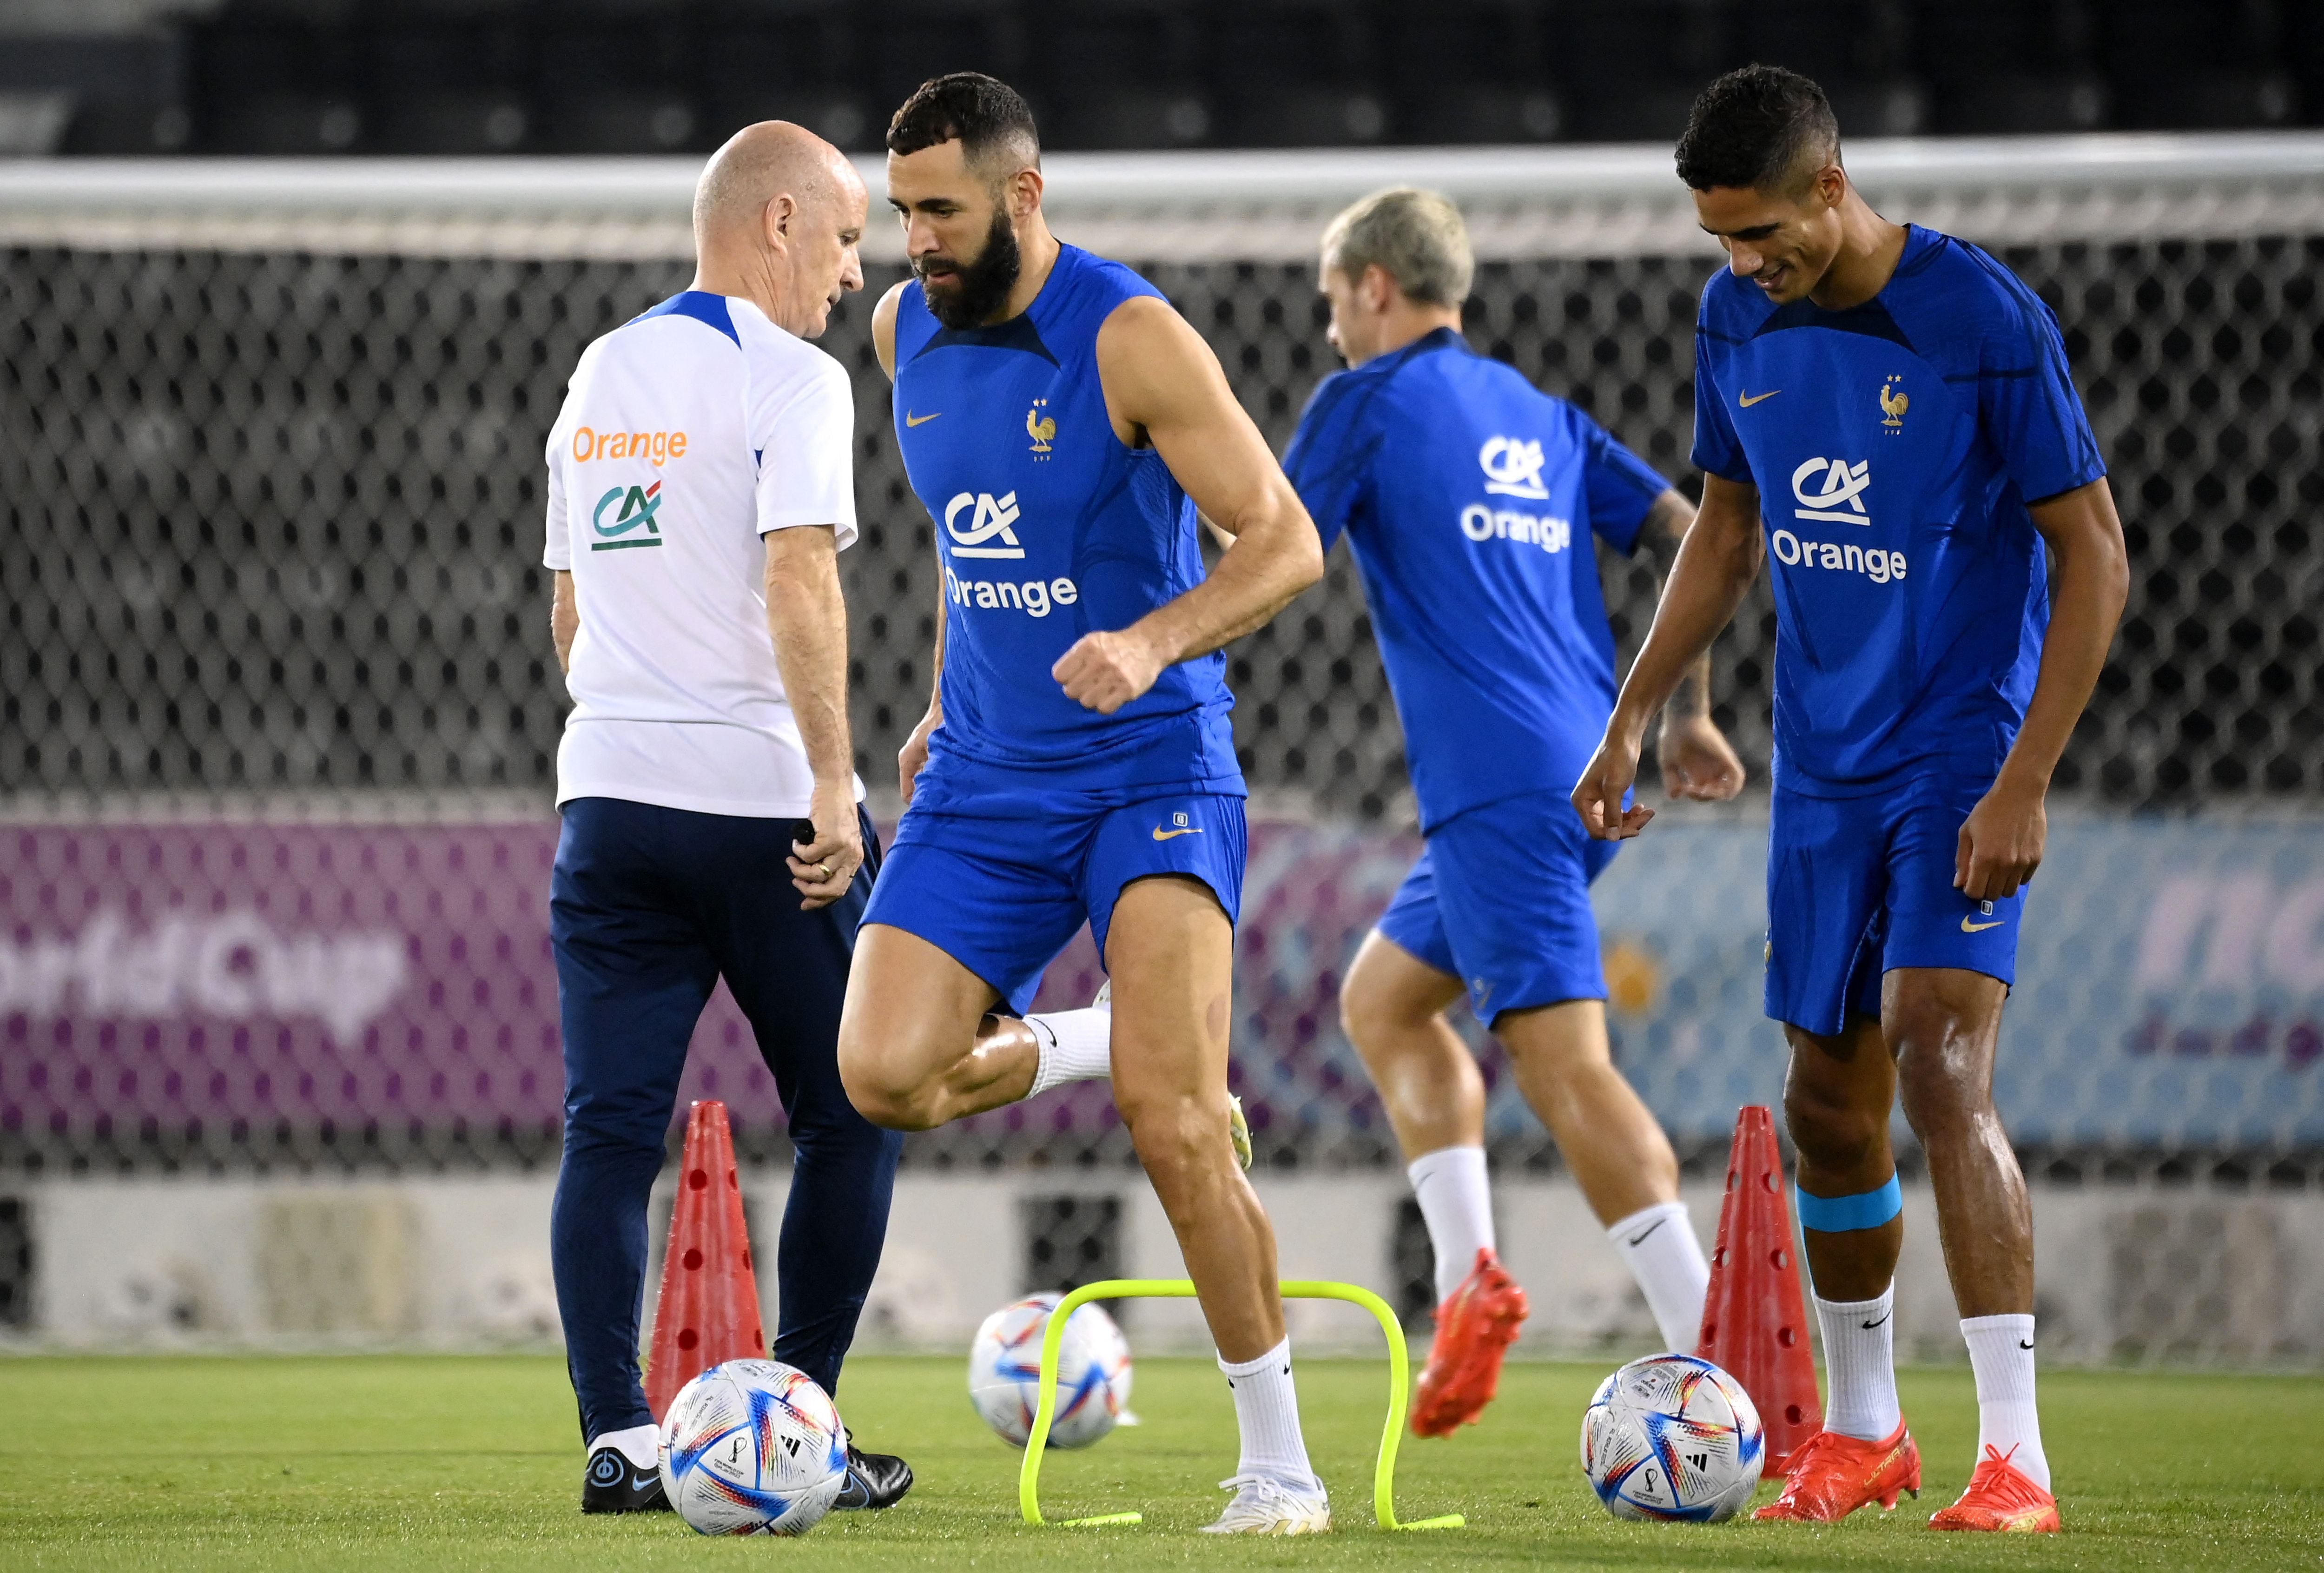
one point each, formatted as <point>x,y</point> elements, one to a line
<point>708,1309</point>
<point>1755,1324</point>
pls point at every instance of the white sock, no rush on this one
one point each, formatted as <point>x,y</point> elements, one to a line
<point>1657,1244</point>
<point>1860,1361</point>
<point>2001,1353</point>
<point>1075,1046</point>
<point>1267,1408</point>
<point>1457,1206</point>
<point>640,1445</point>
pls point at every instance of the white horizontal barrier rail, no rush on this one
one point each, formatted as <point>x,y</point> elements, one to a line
<point>1595,200</point>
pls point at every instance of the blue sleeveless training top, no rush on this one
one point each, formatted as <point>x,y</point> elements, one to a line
<point>1048,528</point>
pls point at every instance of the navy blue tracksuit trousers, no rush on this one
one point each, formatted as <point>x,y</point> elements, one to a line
<point>649,907</point>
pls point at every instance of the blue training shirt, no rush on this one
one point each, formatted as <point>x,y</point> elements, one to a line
<point>1895,445</point>
<point>1048,528</point>
<point>1470,498</point>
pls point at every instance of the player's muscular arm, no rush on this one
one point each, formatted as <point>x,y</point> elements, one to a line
<point>564,617</point>
<point>1714,570</point>
<point>2002,841</point>
<point>914,753</point>
<point>883,329</point>
<point>808,621</point>
<point>1697,761</point>
<point>1163,388</point>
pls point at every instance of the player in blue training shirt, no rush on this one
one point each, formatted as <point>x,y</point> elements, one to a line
<point>1472,503</point>
<point>1061,422</point>
<point>1887,412</point>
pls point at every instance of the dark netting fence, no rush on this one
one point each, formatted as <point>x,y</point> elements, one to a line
<point>277,517</point>
<point>280,716</point>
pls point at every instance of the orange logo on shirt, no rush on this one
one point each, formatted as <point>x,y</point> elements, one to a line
<point>657,448</point>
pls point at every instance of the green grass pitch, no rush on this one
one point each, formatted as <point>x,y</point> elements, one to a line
<point>425,1462</point>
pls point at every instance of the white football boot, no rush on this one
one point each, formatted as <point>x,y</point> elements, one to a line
<point>1264,1505</point>
<point>1238,1128</point>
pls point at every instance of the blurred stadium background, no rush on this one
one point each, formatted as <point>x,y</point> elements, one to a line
<point>277,1048</point>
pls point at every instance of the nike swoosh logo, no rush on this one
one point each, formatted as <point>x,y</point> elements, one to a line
<point>912,420</point>
<point>1640,1237</point>
<point>1970,927</point>
<point>1748,400</point>
<point>1162,834</point>
<point>2024,1343</point>
<point>1885,1316</point>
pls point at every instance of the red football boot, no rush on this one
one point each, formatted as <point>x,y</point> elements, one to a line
<point>1831,1475</point>
<point>2003,1498</point>
<point>1475,1326</point>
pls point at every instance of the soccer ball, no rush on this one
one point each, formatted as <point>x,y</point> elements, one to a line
<point>1005,1373</point>
<point>1671,1437</point>
<point>752,1447</point>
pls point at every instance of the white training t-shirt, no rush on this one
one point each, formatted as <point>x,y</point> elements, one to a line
<point>687,434</point>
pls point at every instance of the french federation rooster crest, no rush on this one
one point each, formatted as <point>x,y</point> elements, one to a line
<point>1040,427</point>
<point>1894,403</point>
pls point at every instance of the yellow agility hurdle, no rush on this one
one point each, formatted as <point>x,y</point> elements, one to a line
<point>1028,1475</point>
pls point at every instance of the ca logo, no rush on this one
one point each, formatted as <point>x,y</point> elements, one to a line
<point>1512,468</point>
<point>992,520</point>
<point>1840,496</point>
<point>639,505</point>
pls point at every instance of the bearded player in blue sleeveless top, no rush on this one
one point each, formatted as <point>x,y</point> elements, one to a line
<point>1886,410</point>
<point>1063,425</point>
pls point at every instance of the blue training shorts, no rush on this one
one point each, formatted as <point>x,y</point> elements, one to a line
<point>1001,893</point>
<point>1500,900</point>
<point>1859,885</point>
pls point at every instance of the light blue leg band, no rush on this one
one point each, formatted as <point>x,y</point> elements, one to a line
<point>1837,1215</point>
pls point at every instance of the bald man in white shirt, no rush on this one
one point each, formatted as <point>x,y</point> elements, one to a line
<point>700,489</point>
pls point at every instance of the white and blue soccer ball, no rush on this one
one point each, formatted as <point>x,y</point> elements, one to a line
<point>752,1447</point>
<point>1005,1373</point>
<point>1673,1438</point>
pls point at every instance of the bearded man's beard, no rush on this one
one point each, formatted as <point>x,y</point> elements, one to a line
<point>971,292</point>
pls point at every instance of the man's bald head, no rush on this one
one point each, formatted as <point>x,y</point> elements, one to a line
<point>760,164</point>
<point>778,215</point>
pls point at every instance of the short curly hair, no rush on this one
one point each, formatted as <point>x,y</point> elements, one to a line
<point>1760,126</point>
<point>990,121</point>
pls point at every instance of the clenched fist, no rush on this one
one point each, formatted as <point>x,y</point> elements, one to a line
<point>1105,671</point>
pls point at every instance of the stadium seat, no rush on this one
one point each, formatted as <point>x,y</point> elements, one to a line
<point>1897,108</point>
<point>1124,74</point>
<point>1130,119</point>
<point>1453,111</point>
<point>927,37</point>
<point>1632,111</point>
<point>455,123</point>
<point>439,88</point>
<point>286,124</point>
<point>1294,73</point>
<point>616,123</point>
<point>2011,68</point>
<point>795,67</point>
<point>2012,106</point>
<point>1309,118</point>
<point>124,94</point>
<point>2195,68</point>
<point>284,76</point>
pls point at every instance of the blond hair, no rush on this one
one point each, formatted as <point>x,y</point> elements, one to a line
<point>1416,237</point>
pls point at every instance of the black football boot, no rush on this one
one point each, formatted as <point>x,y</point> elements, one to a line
<point>874,1480</point>
<point>614,1484</point>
